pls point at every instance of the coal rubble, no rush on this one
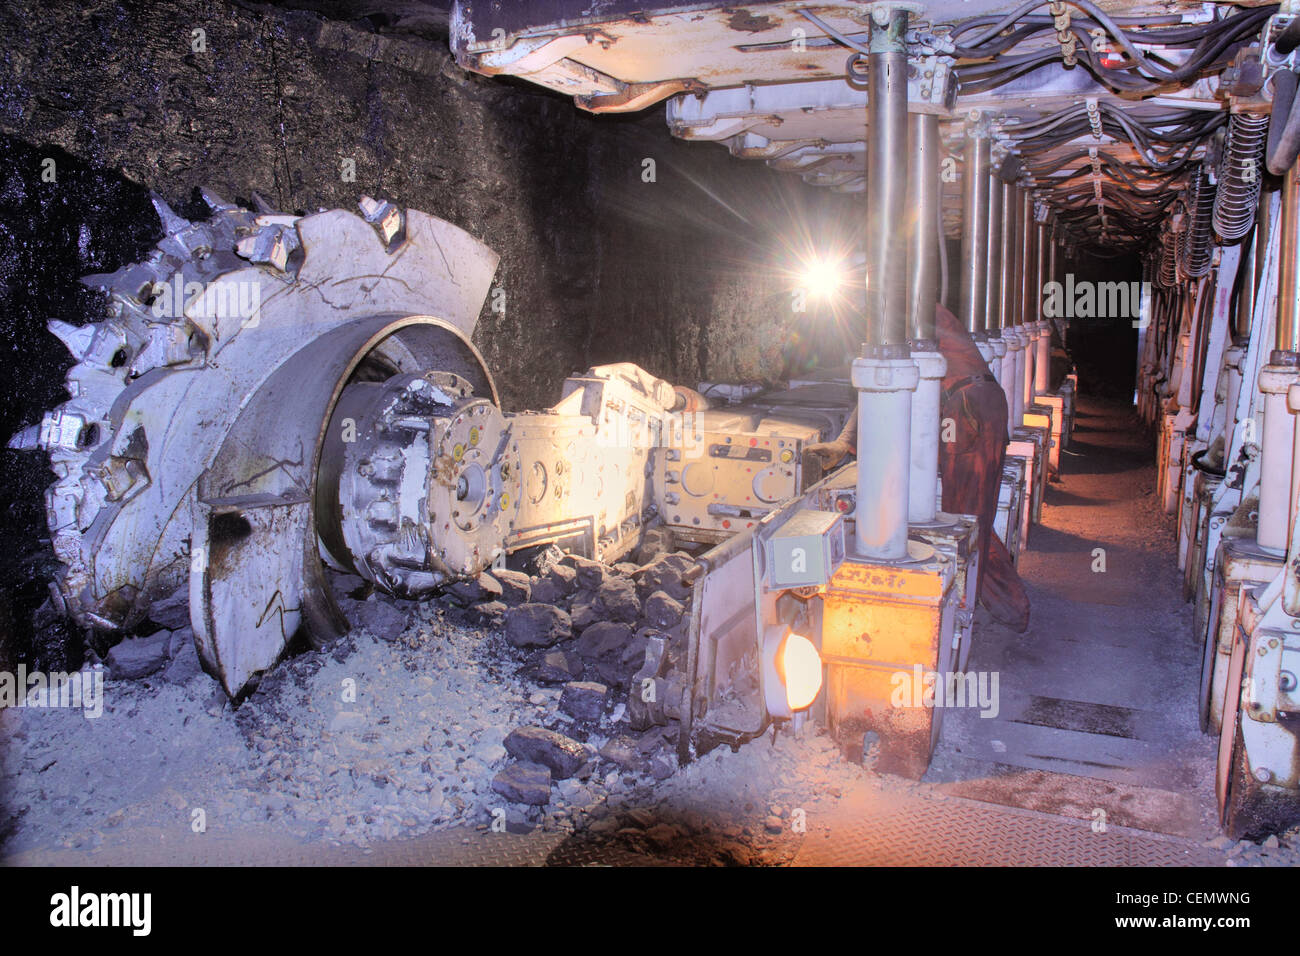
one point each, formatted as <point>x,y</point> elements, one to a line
<point>583,629</point>
<point>480,709</point>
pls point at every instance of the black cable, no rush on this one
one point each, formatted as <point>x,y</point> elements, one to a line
<point>1213,40</point>
<point>1289,38</point>
<point>1284,125</point>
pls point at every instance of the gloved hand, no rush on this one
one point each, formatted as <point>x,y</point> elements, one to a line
<point>831,453</point>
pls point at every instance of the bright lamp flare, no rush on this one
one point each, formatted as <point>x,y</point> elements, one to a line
<point>823,278</point>
<point>800,668</point>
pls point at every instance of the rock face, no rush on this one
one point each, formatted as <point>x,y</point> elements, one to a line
<point>536,625</point>
<point>496,158</point>
<point>560,754</point>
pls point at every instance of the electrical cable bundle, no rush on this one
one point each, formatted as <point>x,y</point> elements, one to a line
<point>1212,45</point>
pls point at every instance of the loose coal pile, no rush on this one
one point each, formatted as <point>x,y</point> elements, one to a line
<point>585,627</point>
<point>502,705</point>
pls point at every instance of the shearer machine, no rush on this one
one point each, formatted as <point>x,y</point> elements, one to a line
<point>309,397</point>
<point>317,400</point>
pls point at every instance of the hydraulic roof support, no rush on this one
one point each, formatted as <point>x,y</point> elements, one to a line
<point>885,375</point>
<point>975,230</point>
<point>1013,356</point>
<point>923,293</point>
<point>1027,314</point>
<point>1042,273</point>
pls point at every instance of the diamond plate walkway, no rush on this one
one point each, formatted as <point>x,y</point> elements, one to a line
<point>868,829</point>
<point>907,830</point>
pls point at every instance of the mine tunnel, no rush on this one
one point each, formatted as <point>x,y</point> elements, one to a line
<point>556,433</point>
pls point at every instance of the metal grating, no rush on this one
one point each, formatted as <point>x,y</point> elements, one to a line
<point>912,830</point>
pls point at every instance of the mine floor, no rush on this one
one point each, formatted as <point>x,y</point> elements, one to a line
<point>1097,716</point>
<point>1094,756</point>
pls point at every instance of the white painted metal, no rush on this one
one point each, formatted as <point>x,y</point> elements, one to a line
<point>925,436</point>
<point>885,388</point>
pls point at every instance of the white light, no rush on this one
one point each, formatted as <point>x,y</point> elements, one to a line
<point>823,278</point>
<point>800,668</point>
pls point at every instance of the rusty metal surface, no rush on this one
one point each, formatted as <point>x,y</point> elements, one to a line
<point>880,622</point>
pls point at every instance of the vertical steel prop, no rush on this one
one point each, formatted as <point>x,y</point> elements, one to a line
<point>1027,314</point>
<point>975,231</point>
<point>885,375</point>
<point>1010,299</point>
<point>1043,344</point>
<point>922,294</point>
<point>997,276</point>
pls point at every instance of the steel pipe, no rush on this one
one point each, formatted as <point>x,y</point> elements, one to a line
<point>1010,251</point>
<point>975,231</point>
<point>1277,441</point>
<point>923,225</point>
<point>1010,302</point>
<point>996,260</point>
<point>1287,337</point>
<point>887,184</point>
<point>922,288</point>
<point>885,376</point>
<point>1028,316</point>
<point>1042,362</point>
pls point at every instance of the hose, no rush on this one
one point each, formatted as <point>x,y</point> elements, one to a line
<point>1283,125</point>
<point>1289,38</point>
